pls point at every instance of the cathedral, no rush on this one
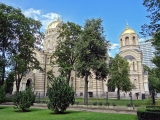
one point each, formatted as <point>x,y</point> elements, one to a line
<point>129,50</point>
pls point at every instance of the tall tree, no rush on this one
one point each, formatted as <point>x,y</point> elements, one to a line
<point>92,51</point>
<point>24,58</point>
<point>9,19</point>
<point>119,72</point>
<point>153,28</point>
<point>65,51</point>
<point>153,78</point>
<point>18,38</point>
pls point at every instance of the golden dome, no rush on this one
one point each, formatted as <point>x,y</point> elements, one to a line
<point>128,31</point>
<point>54,24</point>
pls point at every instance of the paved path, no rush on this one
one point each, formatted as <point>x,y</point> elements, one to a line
<point>104,109</point>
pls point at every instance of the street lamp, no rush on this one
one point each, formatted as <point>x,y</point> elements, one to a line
<point>130,95</point>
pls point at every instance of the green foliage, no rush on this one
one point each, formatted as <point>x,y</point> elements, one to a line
<point>144,114</point>
<point>24,99</point>
<point>153,78</point>
<point>9,82</point>
<point>153,28</point>
<point>18,38</point>
<point>69,34</point>
<point>2,94</point>
<point>153,8</point>
<point>60,95</point>
<point>94,103</point>
<point>119,71</point>
<point>100,103</point>
<point>92,53</point>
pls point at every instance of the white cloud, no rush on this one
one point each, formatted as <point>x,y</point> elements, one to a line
<point>51,16</point>
<point>45,19</point>
<point>141,39</point>
<point>114,49</point>
<point>114,46</point>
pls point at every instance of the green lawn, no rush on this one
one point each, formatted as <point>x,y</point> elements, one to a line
<point>122,102</point>
<point>9,113</point>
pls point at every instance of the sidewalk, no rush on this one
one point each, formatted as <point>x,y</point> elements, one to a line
<point>104,109</point>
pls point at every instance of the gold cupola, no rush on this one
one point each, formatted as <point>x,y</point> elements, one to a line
<point>128,31</point>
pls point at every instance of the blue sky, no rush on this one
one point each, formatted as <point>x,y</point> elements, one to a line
<point>114,14</point>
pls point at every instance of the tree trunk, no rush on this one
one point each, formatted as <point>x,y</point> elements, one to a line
<point>18,84</point>
<point>86,90</point>
<point>118,94</point>
<point>68,77</point>
<point>3,68</point>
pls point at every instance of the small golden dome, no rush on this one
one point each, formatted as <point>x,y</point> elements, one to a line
<point>128,30</point>
<point>54,24</point>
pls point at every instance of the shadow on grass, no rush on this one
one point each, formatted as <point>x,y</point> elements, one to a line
<point>28,110</point>
<point>66,112</point>
<point>2,107</point>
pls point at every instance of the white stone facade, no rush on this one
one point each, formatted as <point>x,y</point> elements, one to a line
<point>96,88</point>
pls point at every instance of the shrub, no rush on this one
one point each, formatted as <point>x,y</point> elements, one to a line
<point>24,99</point>
<point>2,94</point>
<point>77,103</point>
<point>114,104</point>
<point>142,114</point>
<point>100,103</point>
<point>107,104</point>
<point>94,103</point>
<point>128,105</point>
<point>148,101</point>
<point>60,95</point>
<point>136,105</point>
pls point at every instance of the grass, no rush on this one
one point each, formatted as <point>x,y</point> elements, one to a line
<point>122,102</point>
<point>9,113</point>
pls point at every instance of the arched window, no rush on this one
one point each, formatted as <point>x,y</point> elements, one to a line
<point>134,40</point>
<point>121,42</point>
<point>127,40</point>
<point>28,84</point>
<point>133,66</point>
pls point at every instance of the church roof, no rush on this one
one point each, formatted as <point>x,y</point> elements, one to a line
<point>54,24</point>
<point>129,57</point>
<point>128,31</point>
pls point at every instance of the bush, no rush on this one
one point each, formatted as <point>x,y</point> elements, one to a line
<point>142,114</point>
<point>94,103</point>
<point>114,104</point>
<point>2,94</point>
<point>77,103</point>
<point>106,104</point>
<point>100,103</point>
<point>24,99</point>
<point>128,105</point>
<point>60,95</point>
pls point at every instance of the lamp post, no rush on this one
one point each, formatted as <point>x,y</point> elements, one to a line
<point>107,96</point>
<point>130,94</point>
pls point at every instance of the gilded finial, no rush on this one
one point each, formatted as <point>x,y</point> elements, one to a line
<point>127,25</point>
<point>58,19</point>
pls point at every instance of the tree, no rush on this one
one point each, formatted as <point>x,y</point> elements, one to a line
<point>92,51</point>
<point>9,19</point>
<point>153,78</point>
<point>18,39</point>
<point>119,72</point>
<point>153,29</point>
<point>2,94</point>
<point>65,51</point>
<point>24,99</point>
<point>60,94</point>
<point>9,82</point>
